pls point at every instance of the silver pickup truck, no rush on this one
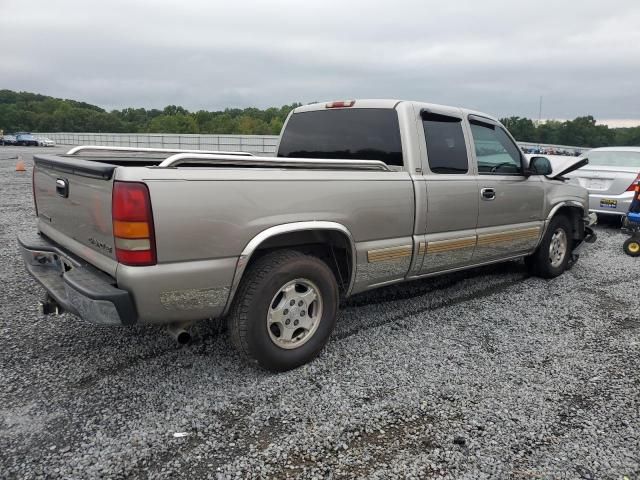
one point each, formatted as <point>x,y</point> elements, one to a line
<point>361,194</point>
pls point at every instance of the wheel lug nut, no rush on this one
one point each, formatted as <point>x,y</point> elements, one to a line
<point>300,303</point>
<point>302,313</point>
<point>295,322</point>
<point>287,321</point>
<point>292,303</point>
<point>285,311</point>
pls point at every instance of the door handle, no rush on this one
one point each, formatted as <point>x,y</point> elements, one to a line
<point>488,194</point>
<point>62,187</point>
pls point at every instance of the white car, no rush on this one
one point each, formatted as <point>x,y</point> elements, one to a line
<point>610,177</point>
<point>46,142</point>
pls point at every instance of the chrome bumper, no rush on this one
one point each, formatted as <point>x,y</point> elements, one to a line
<point>75,286</point>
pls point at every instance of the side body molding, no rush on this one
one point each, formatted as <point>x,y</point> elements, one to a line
<point>276,230</point>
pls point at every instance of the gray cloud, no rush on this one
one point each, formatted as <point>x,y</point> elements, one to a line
<point>495,56</point>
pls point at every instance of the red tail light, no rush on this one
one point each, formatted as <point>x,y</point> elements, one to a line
<point>341,104</point>
<point>133,229</point>
<point>635,185</point>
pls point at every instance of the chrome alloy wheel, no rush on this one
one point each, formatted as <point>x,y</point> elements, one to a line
<point>294,313</point>
<point>558,247</point>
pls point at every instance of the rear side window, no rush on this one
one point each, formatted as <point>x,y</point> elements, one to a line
<point>349,133</point>
<point>446,149</point>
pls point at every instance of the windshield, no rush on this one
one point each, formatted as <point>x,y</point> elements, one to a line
<point>614,159</point>
<point>357,133</point>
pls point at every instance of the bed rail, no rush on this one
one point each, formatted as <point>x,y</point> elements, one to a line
<point>273,162</point>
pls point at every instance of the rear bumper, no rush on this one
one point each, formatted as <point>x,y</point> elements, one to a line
<point>75,286</point>
<point>623,201</point>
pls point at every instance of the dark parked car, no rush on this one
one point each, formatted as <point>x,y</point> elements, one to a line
<point>8,140</point>
<point>26,140</point>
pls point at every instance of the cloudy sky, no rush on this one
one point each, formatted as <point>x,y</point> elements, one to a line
<point>495,56</point>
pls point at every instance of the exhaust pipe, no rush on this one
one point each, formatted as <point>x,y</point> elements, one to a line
<point>179,332</point>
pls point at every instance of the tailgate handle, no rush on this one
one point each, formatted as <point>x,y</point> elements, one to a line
<point>62,187</point>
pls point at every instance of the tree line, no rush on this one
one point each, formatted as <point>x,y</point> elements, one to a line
<point>580,132</point>
<point>31,112</point>
<point>24,111</point>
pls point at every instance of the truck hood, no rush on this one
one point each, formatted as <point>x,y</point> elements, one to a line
<point>562,165</point>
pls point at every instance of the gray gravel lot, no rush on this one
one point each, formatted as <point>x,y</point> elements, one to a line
<point>482,374</point>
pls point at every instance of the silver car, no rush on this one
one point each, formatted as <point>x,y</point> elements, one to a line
<point>609,177</point>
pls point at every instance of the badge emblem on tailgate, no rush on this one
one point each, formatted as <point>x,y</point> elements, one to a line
<point>100,245</point>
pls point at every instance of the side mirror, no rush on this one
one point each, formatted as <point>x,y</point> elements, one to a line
<point>540,166</point>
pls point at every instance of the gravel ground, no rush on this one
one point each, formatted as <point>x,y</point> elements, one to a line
<point>482,374</point>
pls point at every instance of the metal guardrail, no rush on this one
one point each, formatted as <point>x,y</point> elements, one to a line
<point>549,146</point>
<point>109,149</point>
<point>259,144</point>
<point>263,144</point>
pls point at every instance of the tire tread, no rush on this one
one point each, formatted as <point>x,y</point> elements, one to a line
<point>237,320</point>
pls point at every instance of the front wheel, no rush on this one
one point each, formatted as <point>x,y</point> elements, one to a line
<point>552,256</point>
<point>632,247</point>
<point>284,311</point>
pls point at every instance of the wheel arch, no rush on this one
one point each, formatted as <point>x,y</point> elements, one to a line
<point>297,234</point>
<point>574,211</point>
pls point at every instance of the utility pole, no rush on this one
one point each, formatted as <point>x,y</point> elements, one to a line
<point>540,111</point>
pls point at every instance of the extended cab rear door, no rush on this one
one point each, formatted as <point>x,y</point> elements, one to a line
<point>452,190</point>
<point>510,212</point>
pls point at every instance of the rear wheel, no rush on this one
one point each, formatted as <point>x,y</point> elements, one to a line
<point>552,256</point>
<point>284,311</point>
<point>632,247</point>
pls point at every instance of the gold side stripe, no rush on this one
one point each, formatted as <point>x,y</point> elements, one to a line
<point>385,258</point>
<point>530,233</point>
<point>440,246</point>
<point>392,253</point>
<point>505,238</point>
<point>508,237</point>
<point>382,258</point>
<point>422,247</point>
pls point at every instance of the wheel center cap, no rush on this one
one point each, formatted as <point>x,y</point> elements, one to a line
<point>294,314</point>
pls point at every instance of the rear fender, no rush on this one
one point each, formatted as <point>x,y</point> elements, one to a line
<point>269,233</point>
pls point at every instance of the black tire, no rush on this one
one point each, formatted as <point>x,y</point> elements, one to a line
<point>631,247</point>
<point>247,321</point>
<point>540,263</point>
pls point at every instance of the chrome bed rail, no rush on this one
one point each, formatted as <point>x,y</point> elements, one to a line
<point>273,162</point>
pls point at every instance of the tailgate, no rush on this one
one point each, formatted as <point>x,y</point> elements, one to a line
<point>73,199</point>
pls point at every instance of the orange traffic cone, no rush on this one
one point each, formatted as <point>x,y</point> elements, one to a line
<point>20,165</point>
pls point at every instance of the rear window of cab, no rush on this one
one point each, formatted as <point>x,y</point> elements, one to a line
<point>346,133</point>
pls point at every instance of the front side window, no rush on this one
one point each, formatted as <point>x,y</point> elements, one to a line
<point>345,133</point>
<point>446,148</point>
<point>495,151</point>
